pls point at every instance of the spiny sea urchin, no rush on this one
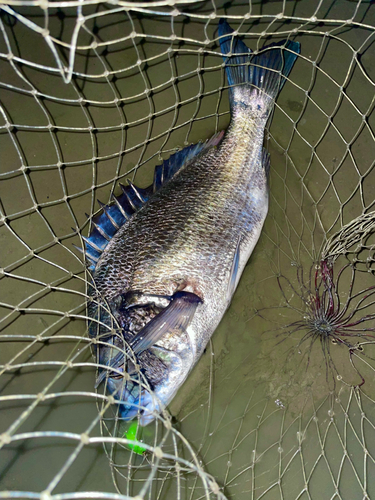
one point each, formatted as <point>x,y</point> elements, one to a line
<point>331,311</point>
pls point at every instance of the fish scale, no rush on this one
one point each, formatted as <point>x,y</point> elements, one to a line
<point>186,241</point>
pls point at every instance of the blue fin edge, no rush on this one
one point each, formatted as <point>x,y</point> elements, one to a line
<point>114,215</point>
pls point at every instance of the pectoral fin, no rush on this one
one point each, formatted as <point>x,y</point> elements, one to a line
<point>177,316</point>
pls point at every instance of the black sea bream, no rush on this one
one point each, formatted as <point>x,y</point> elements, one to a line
<point>166,260</point>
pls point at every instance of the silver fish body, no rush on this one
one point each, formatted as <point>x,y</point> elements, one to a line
<point>193,235</point>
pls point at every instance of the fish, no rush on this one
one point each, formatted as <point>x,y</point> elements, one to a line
<point>165,260</point>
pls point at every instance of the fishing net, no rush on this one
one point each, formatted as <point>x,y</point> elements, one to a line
<point>282,403</point>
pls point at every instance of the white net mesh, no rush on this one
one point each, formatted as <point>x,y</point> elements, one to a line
<point>94,92</point>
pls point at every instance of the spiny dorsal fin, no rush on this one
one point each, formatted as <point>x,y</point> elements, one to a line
<point>114,215</point>
<point>168,168</point>
<point>141,194</point>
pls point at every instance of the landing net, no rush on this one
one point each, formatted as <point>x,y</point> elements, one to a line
<point>280,406</point>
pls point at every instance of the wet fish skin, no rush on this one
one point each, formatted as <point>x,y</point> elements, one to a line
<point>186,238</point>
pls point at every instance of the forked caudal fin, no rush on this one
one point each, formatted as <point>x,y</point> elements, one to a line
<point>262,74</point>
<point>106,224</point>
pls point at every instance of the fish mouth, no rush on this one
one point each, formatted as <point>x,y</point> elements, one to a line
<point>135,400</point>
<point>143,391</point>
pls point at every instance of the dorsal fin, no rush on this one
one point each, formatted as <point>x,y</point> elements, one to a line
<point>106,224</point>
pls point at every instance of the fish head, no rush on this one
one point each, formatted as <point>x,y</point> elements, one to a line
<point>141,374</point>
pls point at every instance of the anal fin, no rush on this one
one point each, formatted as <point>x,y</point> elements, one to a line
<point>266,161</point>
<point>234,270</point>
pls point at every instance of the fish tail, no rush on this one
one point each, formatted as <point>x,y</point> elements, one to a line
<point>255,77</point>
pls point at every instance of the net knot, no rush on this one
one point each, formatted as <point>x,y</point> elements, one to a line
<point>158,452</point>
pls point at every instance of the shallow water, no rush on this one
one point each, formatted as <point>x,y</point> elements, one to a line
<point>260,416</point>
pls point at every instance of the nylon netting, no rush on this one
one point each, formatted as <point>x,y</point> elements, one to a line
<point>96,92</point>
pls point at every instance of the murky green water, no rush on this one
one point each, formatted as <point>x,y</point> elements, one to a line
<point>258,410</point>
